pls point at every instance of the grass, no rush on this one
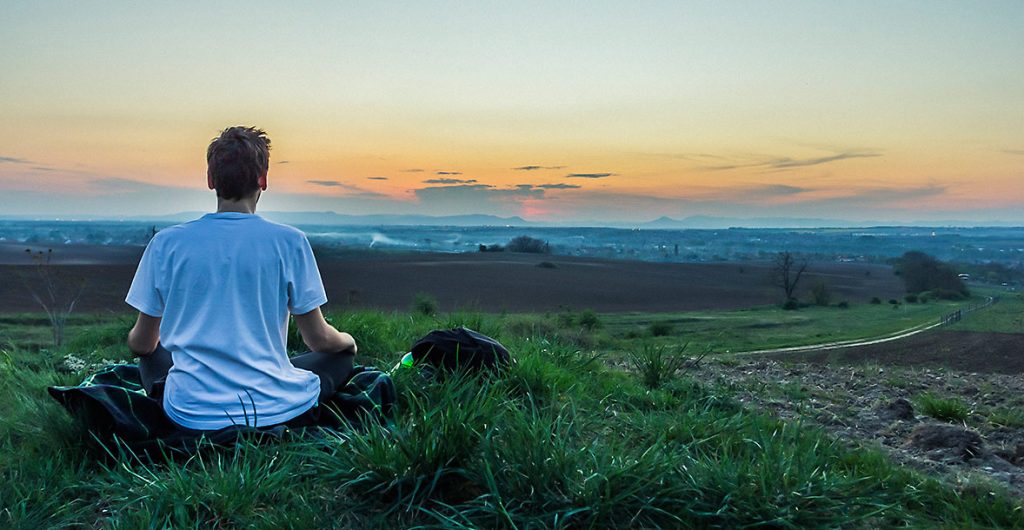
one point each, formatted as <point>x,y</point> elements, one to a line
<point>562,440</point>
<point>772,327</point>
<point>1006,316</point>
<point>1006,417</point>
<point>657,363</point>
<point>940,408</point>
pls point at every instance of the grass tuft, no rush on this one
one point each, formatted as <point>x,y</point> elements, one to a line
<point>657,363</point>
<point>945,409</point>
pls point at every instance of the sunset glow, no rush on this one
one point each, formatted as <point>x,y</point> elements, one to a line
<point>604,112</point>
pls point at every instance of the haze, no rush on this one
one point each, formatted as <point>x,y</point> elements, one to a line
<point>595,112</point>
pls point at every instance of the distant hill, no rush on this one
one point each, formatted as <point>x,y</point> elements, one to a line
<point>332,218</point>
<point>706,221</point>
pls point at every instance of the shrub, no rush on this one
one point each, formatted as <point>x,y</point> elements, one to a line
<point>911,298</point>
<point>945,294</point>
<point>791,304</point>
<point>821,294</point>
<point>529,245</point>
<point>547,265</point>
<point>530,326</point>
<point>589,320</point>
<point>660,329</point>
<point>843,305</point>
<point>876,300</point>
<point>424,304</point>
<point>945,409</point>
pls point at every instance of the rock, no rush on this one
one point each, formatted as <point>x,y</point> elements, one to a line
<point>901,409</point>
<point>950,439</point>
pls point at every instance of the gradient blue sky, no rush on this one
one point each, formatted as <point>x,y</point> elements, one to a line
<point>602,111</point>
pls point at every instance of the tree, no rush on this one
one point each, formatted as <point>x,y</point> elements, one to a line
<point>55,292</point>
<point>786,273</point>
<point>923,273</point>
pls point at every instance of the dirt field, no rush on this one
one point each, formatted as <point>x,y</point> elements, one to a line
<point>482,281</point>
<point>958,350</point>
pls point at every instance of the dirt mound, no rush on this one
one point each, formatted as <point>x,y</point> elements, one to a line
<point>949,440</point>
<point>958,350</point>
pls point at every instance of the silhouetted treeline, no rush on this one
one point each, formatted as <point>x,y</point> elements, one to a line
<point>922,273</point>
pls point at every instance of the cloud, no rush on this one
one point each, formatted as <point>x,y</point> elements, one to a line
<point>450,181</point>
<point>535,168</point>
<point>561,186</point>
<point>376,178</point>
<point>13,160</point>
<point>353,191</point>
<point>522,190</point>
<point>285,162</point>
<point>880,196</point>
<point>778,190</point>
<point>123,185</point>
<point>589,175</point>
<point>786,162</point>
<point>328,183</point>
<point>42,168</point>
<point>1014,151</point>
<point>413,170</point>
<point>477,198</point>
<point>448,173</point>
<point>782,163</point>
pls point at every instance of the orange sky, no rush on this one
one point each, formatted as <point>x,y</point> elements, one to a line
<point>861,111</point>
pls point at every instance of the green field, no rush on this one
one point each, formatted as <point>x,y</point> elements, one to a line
<point>560,441</point>
<point>772,327</point>
<point>1006,316</point>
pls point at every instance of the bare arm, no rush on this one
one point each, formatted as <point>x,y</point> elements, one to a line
<point>145,335</point>
<point>321,336</point>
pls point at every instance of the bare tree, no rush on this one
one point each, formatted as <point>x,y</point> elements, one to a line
<point>55,292</point>
<point>787,272</point>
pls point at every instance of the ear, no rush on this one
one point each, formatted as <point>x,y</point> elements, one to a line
<point>209,179</point>
<point>262,181</point>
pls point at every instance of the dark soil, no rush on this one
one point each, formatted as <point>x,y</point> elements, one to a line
<point>486,282</point>
<point>873,406</point>
<point>958,350</point>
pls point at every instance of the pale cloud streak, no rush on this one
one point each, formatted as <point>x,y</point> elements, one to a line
<point>450,181</point>
<point>536,168</point>
<point>785,162</point>
<point>589,175</point>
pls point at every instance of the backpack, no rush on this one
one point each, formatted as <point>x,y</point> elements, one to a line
<point>461,348</point>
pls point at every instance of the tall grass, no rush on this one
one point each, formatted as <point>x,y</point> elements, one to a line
<point>559,441</point>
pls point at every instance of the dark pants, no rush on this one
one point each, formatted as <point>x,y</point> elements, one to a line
<point>333,369</point>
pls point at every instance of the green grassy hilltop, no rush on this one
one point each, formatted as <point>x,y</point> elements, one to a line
<point>575,435</point>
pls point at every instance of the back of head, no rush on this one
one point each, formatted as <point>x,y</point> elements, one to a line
<point>236,159</point>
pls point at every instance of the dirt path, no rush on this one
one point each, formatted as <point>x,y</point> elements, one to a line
<point>854,343</point>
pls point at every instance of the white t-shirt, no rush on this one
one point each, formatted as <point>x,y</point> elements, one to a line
<point>224,285</point>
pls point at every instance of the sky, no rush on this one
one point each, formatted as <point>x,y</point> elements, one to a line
<point>569,112</point>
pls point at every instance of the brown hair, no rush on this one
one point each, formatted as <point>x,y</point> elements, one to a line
<point>236,159</point>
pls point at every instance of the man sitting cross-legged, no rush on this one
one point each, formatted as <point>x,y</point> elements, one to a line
<point>214,297</point>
